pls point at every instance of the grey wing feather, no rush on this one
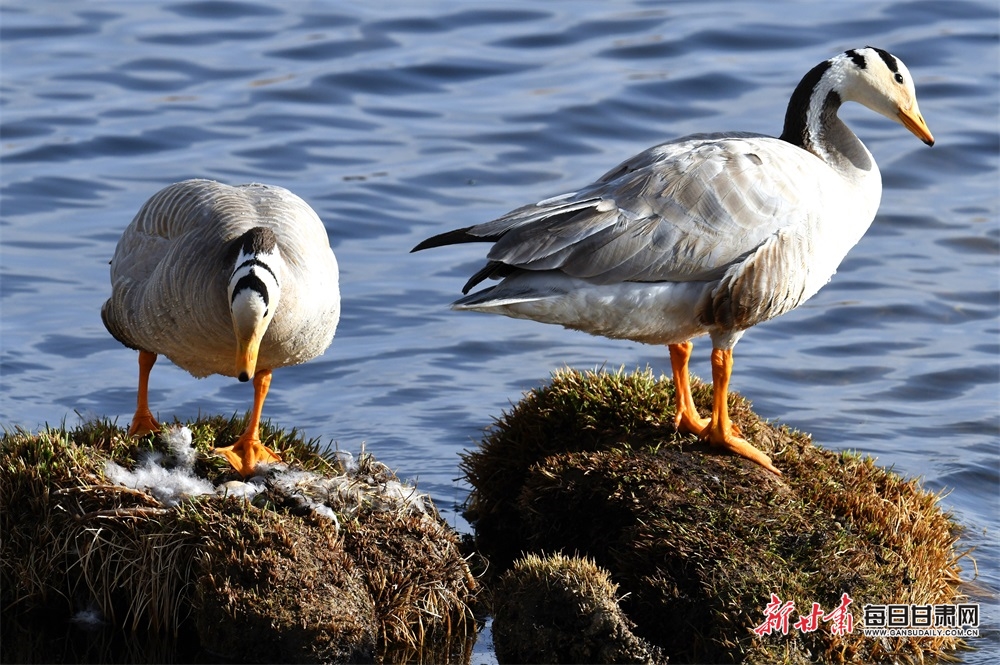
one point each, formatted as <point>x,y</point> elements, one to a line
<point>137,265</point>
<point>680,211</point>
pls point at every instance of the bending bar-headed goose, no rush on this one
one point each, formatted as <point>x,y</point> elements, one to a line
<point>708,234</point>
<point>223,280</point>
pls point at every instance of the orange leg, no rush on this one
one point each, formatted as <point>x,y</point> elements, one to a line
<point>687,420</point>
<point>248,451</point>
<point>143,421</point>
<point>720,430</point>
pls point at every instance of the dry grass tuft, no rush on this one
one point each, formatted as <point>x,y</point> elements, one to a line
<point>562,609</point>
<point>325,564</point>
<point>697,539</point>
<point>286,580</point>
<point>71,538</point>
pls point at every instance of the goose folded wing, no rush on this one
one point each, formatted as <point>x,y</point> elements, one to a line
<point>681,211</point>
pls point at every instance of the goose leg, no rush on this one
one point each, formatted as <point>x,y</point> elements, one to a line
<point>248,451</point>
<point>720,430</point>
<point>143,421</point>
<point>687,420</point>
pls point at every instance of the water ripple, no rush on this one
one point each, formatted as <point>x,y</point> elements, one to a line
<point>396,122</point>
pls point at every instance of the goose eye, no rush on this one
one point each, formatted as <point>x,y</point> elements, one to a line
<point>899,77</point>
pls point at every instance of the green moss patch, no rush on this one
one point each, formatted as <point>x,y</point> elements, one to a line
<point>321,562</point>
<point>697,539</point>
<point>563,609</point>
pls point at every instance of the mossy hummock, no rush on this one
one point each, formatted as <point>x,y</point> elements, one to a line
<point>318,560</point>
<point>697,539</point>
<point>563,609</point>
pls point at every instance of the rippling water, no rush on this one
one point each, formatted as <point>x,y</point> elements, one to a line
<point>400,120</point>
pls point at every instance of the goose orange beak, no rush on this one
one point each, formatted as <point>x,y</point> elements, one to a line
<point>246,356</point>
<point>914,122</point>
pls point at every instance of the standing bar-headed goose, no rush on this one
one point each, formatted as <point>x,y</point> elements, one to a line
<point>224,280</point>
<point>708,234</point>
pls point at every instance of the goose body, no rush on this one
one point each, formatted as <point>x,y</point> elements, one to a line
<point>713,234</point>
<point>709,234</point>
<point>236,281</point>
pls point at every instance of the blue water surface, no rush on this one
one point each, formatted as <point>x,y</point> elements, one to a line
<point>399,120</point>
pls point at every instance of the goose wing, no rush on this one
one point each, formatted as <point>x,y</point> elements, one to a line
<point>681,211</point>
<point>165,221</point>
<point>168,279</point>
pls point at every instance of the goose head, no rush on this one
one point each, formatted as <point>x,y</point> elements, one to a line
<point>254,293</point>
<point>880,81</point>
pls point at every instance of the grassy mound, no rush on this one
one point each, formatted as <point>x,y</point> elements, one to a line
<point>561,609</point>
<point>698,540</point>
<point>326,560</point>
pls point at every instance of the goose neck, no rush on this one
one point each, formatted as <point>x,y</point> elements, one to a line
<point>811,121</point>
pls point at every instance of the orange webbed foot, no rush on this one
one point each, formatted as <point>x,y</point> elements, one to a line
<point>143,424</point>
<point>730,439</point>
<point>248,451</point>
<point>721,431</point>
<point>689,422</point>
<point>246,454</point>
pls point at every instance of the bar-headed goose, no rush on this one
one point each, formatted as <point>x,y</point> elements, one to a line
<point>708,234</point>
<point>224,280</point>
